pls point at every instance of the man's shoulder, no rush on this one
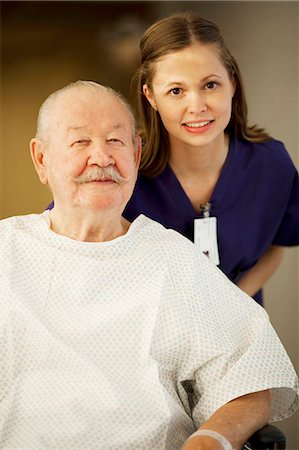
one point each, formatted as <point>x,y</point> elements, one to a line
<point>167,239</point>
<point>149,225</point>
<point>15,223</point>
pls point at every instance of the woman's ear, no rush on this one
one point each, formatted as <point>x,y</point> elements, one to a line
<point>234,86</point>
<point>149,96</point>
<point>37,148</point>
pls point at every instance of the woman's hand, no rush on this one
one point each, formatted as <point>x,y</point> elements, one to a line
<point>255,278</point>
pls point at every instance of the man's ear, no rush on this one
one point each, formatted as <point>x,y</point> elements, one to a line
<point>150,96</point>
<point>37,149</point>
<point>138,150</point>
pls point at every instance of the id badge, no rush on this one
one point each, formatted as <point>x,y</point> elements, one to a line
<point>205,237</point>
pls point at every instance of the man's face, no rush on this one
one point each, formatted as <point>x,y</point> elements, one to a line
<point>90,130</point>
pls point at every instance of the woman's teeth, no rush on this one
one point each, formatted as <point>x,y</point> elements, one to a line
<point>197,124</point>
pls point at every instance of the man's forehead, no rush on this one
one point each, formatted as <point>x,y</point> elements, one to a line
<point>109,126</point>
<point>83,96</point>
<point>89,111</point>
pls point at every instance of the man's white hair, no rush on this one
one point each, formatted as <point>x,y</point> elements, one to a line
<point>43,119</point>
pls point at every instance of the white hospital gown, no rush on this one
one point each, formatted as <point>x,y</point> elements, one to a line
<point>102,341</point>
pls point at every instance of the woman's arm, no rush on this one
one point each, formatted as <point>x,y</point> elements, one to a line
<point>254,279</point>
<point>236,421</point>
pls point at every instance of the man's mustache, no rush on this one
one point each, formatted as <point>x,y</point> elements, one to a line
<point>101,174</point>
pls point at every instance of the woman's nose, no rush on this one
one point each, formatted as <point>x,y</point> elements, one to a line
<point>196,103</point>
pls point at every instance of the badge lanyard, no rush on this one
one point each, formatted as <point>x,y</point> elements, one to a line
<point>205,234</point>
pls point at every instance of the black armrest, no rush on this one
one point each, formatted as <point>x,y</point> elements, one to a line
<point>269,437</point>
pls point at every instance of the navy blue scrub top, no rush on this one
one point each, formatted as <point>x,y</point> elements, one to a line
<point>256,202</point>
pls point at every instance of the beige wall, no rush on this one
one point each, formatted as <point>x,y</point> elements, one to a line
<point>42,53</point>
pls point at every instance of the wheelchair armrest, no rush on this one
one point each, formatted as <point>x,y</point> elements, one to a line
<point>268,437</point>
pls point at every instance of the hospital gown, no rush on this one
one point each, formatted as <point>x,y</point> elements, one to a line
<point>126,344</point>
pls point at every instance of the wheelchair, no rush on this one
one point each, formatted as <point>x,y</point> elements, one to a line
<point>267,438</point>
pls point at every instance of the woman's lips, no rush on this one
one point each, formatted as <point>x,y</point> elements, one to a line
<point>198,127</point>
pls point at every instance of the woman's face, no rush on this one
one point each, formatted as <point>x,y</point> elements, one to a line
<point>192,92</point>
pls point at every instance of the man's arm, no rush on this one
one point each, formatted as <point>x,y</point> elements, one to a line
<point>255,278</point>
<point>236,421</point>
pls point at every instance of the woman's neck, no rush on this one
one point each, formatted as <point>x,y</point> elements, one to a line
<point>206,161</point>
<point>198,169</point>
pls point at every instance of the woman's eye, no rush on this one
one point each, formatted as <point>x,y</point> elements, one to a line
<point>175,91</point>
<point>211,85</point>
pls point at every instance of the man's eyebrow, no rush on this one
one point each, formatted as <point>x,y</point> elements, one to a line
<point>119,125</point>
<point>116,126</point>
<point>75,128</point>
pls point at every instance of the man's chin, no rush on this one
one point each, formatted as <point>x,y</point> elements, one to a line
<point>101,204</point>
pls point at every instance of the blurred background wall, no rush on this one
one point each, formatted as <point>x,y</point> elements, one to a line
<point>45,45</point>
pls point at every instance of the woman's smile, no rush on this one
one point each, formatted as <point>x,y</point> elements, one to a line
<point>198,127</point>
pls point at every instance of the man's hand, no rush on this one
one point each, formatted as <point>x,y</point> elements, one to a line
<point>202,443</point>
<point>236,421</point>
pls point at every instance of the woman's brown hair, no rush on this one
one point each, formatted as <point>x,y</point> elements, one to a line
<point>168,35</point>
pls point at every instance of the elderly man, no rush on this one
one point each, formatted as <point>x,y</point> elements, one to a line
<point>121,336</point>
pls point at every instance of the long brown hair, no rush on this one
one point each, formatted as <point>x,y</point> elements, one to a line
<point>168,35</point>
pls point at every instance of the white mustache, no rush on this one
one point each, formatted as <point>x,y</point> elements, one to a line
<point>100,174</point>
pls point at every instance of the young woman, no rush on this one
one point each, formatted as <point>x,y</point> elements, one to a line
<point>201,159</point>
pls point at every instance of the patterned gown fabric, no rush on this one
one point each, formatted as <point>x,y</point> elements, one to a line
<point>126,344</point>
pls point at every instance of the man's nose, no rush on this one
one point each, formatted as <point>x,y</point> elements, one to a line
<point>100,154</point>
<point>197,103</point>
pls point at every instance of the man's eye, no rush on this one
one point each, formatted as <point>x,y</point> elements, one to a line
<point>211,85</point>
<point>81,142</point>
<point>175,91</point>
<point>115,140</point>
